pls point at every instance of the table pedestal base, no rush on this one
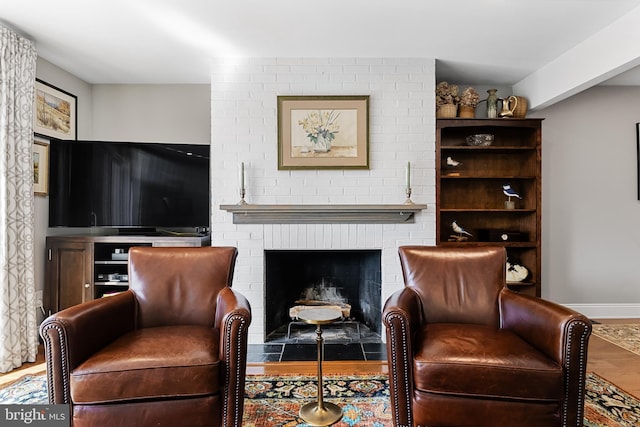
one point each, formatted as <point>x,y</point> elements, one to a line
<point>320,413</point>
<point>315,415</point>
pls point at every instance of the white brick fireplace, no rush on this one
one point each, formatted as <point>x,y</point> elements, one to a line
<point>244,129</point>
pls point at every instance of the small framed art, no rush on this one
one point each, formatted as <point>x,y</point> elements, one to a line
<point>54,112</point>
<point>40,168</point>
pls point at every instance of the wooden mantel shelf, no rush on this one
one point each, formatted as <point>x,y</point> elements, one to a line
<point>323,214</point>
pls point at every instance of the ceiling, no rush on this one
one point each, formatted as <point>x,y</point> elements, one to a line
<point>492,42</point>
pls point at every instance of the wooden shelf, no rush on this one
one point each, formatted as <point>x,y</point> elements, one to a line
<point>489,148</point>
<point>520,284</point>
<point>507,177</point>
<point>323,214</point>
<point>488,210</point>
<point>483,243</point>
<point>471,193</point>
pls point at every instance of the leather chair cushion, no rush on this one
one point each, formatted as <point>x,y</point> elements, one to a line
<point>163,362</point>
<point>481,361</point>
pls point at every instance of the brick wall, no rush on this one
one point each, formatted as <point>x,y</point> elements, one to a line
<point>244,129</point>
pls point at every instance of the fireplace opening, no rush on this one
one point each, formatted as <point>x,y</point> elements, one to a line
<point>351,279</point>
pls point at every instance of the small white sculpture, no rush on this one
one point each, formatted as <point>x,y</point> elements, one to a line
<point>452,162</point>
<point>516,272</point>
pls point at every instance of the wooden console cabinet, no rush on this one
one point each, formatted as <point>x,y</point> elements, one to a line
<point>471,193</point>
<point>82,268</point>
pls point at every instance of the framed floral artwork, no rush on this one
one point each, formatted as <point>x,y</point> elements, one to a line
<point>40,168</point>
<point>323,132</point>
<point>54,112</point>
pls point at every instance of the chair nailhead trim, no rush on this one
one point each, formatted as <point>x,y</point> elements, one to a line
<point>232,320</point>
<point>66,395</point>
<point>581,371</point>
<point>391,324</point>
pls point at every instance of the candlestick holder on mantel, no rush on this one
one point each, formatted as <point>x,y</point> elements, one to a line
<point>242,187</point>
<point>408,201</point>
<point>408,186</point>
<point>242,194</point>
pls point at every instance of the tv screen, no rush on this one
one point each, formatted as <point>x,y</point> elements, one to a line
<point>128,185</point>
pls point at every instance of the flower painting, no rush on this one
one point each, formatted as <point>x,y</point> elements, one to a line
<point>321,129</point>
<point>322,132</point>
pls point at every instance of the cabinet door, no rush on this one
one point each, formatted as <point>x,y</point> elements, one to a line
<point>69,274</point>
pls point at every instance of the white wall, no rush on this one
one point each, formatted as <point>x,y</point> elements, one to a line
<point>244,128</point>
<point>152,113</point>
<point>591,215</point>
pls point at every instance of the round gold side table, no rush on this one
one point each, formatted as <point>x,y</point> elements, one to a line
<point>320,413</point>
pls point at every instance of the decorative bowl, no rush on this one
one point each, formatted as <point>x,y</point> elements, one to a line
<point>480,139</point>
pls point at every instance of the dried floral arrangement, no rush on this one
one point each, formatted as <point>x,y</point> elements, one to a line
<point>446,94</point>
<point>469,97</point>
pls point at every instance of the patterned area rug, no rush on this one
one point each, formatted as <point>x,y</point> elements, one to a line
<point>275,401</point>
<point>625,336</point>
<point>606,405</point>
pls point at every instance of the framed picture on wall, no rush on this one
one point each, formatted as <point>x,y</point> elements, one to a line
<point>54,112</point>
<point>40,167</point>
<point>323,132</point>
<point>638,155</point>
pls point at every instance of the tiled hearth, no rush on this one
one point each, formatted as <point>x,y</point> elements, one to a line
<point>308,352</point>
<point>342,341</point>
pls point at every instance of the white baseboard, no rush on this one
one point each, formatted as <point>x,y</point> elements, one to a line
<point>607,311</point>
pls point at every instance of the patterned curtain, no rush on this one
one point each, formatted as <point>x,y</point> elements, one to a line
<point>18,323</point>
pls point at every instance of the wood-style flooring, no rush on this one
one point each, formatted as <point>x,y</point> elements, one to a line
<point>611,362</point>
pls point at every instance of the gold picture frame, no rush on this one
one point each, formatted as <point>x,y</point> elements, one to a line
<point>323,132</point>
<point>40,168</point>
<point>54,112</point>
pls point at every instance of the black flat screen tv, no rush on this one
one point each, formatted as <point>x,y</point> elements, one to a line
<point>129,185</point>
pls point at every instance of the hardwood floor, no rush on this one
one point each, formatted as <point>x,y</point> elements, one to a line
<point>37,367</point>
<point>611,362</point>
<point>619,366</point>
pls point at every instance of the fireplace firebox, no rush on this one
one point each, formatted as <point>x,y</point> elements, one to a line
<point>294,277</point>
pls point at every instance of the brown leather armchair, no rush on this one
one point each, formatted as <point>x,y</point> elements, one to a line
<point>170,351</point>
<point>463,350</point>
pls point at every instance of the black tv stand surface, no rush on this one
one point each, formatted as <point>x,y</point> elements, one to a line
<point>146,231</point>
<point>158,232</point>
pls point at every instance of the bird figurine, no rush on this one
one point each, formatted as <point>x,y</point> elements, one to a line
<point>461,233</point>
<point>510,192</point>
<point>452,162</point>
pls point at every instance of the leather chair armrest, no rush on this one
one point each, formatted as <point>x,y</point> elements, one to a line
<point>550,327</point>
<point>559,332</point>
<point>402,316</point>
<point>233,317</point>
<point>70,336</point>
